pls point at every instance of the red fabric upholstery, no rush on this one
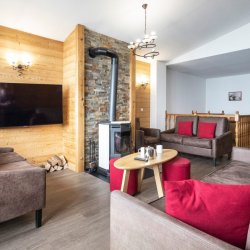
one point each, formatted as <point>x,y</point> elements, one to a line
<point>206,130</point>
<point>177,169</point>
<point>217,209</point>
<point>185,128</point>
<point>116,178</point>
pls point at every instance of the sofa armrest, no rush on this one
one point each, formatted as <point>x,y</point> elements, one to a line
<point>137,225</point>
<point>6,150</point>
<point>241,154</point>
<point>21,191</point>
<point>169,131</point>
<point>154,132</point>
<point>222,144</point>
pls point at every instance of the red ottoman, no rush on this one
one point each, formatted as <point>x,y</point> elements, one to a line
<point>177,169</point>
<point>116,178</point>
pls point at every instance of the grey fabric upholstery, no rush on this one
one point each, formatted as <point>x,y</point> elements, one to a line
<point>22,186</point>
<point>136,225</point>
<point>6,149</point>
<point>214,148</point>
<point>222,124</point>
<point>194,119</point>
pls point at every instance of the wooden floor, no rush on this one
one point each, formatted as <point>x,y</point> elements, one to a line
<point>77,212</point>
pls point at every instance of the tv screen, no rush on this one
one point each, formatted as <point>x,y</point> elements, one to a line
<point>30,104</point>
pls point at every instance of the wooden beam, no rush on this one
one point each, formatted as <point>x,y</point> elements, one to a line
<point>80,98</point>
<point>132,102</point>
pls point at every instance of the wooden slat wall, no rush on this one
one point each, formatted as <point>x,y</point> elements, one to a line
<point>132,101</point>
<point>143,95</point>
<point>73,90</point>
<point>36,143</point>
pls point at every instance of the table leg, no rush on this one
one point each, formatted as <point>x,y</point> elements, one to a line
<point>140,178</point>
<point>157,175</point>
<point>125,178</point>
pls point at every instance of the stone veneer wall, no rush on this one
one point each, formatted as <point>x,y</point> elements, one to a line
<point>97,86</point>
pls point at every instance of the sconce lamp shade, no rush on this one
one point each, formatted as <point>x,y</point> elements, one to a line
<point>19,62</point>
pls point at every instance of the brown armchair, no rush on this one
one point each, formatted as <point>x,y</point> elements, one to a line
<point>146,136</point>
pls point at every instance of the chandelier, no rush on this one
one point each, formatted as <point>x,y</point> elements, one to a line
<point>145,47</point>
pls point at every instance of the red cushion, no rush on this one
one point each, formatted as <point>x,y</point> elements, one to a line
<point>206,130</point>
<point>115,177</point>
<point>217,209</point>
<point>185,128</point>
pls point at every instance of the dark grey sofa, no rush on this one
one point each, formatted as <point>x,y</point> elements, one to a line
<point>213,148</point>
<point>22,187</point>
<point>137,225</point>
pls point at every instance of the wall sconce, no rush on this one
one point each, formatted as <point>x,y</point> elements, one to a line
<point>144,84</point>
<point>142,81</point>
<point>19,63</point>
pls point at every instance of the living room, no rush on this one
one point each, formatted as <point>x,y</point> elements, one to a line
<point>199,63</point>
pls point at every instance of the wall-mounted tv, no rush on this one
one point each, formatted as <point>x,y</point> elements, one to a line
<point>24,104</point>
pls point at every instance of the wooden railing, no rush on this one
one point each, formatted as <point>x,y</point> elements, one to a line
<point>239,125</point>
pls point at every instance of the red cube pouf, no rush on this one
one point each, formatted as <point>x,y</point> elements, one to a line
<point>116,175</point>
<point>177,169</point>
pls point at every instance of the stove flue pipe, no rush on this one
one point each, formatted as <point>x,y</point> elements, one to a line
<point>93,52</point>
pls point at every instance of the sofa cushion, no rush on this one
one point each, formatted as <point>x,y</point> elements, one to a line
<point>16,166</point>
<point>10,157</point>
<point>197,142</point>
<point>194,119</point>
<point>175,138</point>
<point>217,209</point>
<point>206,130</point>
<point>222,124</point>
<point>185,128</point>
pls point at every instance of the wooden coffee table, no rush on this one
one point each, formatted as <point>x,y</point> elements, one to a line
<point>128,163</point>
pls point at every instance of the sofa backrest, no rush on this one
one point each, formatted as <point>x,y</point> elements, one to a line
<point>222,124</point>
<point>194,119</point>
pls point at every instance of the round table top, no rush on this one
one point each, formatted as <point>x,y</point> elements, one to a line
<point>129,163</point>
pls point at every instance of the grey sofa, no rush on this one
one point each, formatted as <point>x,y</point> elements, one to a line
<point>22,187</point>
<point>137,225</point>
<point>213,148</point>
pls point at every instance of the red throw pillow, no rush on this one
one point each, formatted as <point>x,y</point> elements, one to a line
<point>185,128</point>
<point>206,130</point>
<point>217,209</point>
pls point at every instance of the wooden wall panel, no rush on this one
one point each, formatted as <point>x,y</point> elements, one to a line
<point>36,143</point>
<point>143,94</point>
<point>73,90</point>
<point>132,101</point>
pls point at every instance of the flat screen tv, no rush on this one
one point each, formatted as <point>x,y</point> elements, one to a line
<point>24,104</point>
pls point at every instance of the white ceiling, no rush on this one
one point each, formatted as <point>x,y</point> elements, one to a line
<point>234,63</point>
<point>181,25</point>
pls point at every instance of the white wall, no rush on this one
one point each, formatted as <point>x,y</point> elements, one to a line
<point>157,94</point>
<point>185,93</point>
<point>217,94</point>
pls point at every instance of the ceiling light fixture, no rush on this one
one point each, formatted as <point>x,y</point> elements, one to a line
<point>145,47</point>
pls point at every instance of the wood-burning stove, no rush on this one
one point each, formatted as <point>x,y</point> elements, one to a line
<point>114,141</point>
